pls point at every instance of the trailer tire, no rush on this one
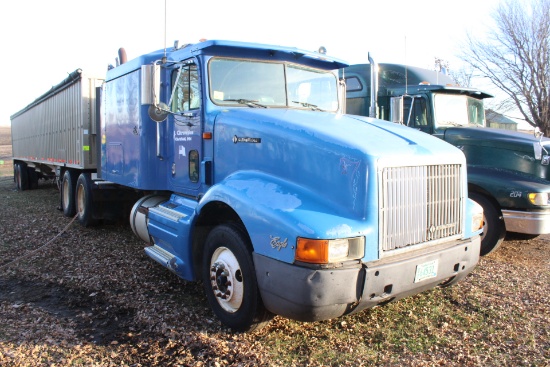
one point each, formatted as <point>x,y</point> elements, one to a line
<point>229,280</point>
<point>494,229</point>
<point>32,178</point>
<point>21,176</point>
<point>85,200</point>
<point>67,193</point>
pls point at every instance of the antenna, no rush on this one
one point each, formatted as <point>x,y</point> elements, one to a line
<point>406,70</point>
<point>165,29</point>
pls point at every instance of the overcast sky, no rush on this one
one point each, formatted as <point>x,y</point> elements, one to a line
<point>43,40</point>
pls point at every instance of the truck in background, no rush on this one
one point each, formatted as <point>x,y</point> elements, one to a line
<point>508,171</point>
<point>242,172</point>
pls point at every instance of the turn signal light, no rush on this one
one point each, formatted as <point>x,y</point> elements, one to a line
<point>312,251</point>
<point>315,251</point>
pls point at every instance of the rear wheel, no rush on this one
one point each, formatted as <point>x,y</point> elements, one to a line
<point>84,200</point>
<point>21,176</point>
<point>230,282</point>
<point>33,178</point>
<point>68,185</point>
<point>494,229</point>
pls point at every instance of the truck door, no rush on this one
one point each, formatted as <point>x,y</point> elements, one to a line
<point>185,103</point>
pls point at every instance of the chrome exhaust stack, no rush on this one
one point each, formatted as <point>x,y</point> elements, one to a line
<point>373,108</point>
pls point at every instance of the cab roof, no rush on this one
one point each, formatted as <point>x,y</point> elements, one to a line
<point>231,49</point>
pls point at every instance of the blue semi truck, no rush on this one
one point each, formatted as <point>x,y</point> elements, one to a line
<point>238,168</point>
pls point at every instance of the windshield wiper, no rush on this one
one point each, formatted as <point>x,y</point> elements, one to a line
<point>309,105</point>
<point>248,102</point>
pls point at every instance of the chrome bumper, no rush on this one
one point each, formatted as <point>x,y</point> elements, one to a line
<point>527,222</point>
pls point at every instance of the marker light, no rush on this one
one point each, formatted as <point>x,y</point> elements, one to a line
<point>477,221</point>
<point>477,217</point>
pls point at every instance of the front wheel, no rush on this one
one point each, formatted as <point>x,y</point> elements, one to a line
<point>230,280</point>
<point>494,229</point>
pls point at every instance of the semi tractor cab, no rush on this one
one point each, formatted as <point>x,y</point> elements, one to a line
<point>508,171</point>
<point>251,179</point>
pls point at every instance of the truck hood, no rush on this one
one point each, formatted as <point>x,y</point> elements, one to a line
<point>505,149</point>
<point>336,157</point>
<point>373,137</point>
<point>490,137</point>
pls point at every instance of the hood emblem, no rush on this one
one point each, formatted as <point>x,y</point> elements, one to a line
<point>276,243</point>
<point>242,139</point>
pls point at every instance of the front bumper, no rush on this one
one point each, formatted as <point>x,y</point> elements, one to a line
<point>527,222</point>
<point>307,294</point>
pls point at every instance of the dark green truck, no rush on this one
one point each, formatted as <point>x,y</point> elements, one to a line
<point>508,171</point>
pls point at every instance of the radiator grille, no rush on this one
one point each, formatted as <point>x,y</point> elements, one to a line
<point>419,204</point>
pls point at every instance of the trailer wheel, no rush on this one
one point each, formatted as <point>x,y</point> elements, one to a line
<point>33,178</point>
<point>84,200</point>
<point>494,229</point>
<point>21,176</point>
<point>230,280</point>
<point>67,193</point>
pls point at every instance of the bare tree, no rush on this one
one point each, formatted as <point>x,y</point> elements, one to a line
<point>463,76</point>
<point>515,57</point>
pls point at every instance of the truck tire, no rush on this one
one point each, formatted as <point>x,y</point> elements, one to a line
<point>67,193</point>
<point>33,178</point>
<point>21,176</point>
<point>229,280</point>
<point>494,229</point>
<point>84,200</point>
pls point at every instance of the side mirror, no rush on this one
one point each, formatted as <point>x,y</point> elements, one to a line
<point>150,84</point>
<point>150,92</point>
<point>396,109</point>
<point>159,112</point>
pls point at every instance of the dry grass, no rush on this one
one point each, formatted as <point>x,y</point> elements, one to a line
<point>92,298</point>
<point>6,167</point>
<point>5,135</point>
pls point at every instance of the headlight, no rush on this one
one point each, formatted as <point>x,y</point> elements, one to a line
<point>539,198</point>
<point>329,251</point>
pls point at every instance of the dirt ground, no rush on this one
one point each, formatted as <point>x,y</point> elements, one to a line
<point>75,296</point>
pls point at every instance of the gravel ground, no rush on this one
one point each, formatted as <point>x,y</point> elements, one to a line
<point>74,296</point>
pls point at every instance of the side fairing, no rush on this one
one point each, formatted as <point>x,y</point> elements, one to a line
<point>128,137</point>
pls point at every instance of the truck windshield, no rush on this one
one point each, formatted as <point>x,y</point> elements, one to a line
<point>255,83</point>
<point>457,110</point>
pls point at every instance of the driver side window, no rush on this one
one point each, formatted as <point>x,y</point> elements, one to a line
<point>418,117</point>
<point>186,92</point>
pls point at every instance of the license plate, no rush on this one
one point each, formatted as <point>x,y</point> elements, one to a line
<point>425,271</point>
